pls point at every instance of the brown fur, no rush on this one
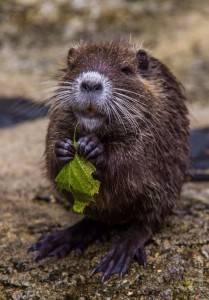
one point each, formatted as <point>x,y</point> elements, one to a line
<point>145,170</point>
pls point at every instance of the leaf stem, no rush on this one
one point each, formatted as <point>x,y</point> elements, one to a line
<point>74,136</point>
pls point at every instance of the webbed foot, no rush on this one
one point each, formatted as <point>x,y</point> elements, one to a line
<point>120,257</point>
<point>60,243</point>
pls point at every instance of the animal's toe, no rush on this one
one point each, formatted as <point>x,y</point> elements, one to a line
<point>61,251</point>
<point>117,261</point>
<point>50,245</point>
<point>141,257</point>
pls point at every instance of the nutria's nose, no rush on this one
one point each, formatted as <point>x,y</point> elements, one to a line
<point>91,86</point>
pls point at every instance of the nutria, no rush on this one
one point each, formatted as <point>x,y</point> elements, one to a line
<point>133,126</point>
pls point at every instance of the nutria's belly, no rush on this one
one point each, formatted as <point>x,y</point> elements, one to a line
<point>114,210</point>
<point>109,217</point>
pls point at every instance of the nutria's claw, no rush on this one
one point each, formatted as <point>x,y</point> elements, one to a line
<point>64,150</point>
<point>120,257</point>
<point>141,257</point>
<point>55,244</point>
<point>89,146</point>
<point>33,247</point>
<point>60,243</point>
<point>118,261</point>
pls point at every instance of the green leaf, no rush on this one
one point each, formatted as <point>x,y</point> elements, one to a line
<point>76,177</point>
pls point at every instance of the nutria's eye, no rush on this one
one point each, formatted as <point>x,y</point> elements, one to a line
<point>127,70</point>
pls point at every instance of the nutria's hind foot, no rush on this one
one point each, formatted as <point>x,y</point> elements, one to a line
<point>60,243</point>
<point>120,257</point>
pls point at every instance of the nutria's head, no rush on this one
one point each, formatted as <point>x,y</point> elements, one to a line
<point>104,84</point>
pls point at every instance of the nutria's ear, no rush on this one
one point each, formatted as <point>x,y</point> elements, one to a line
<point>143,62</point>
<point>71,53</point>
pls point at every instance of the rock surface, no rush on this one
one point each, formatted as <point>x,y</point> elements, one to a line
<point>178,256</point>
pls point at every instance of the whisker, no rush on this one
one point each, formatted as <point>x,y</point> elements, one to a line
<point>144,110</point>
<point>63,94</point>
<point>135,101</point>
<point>59,88</point>
<point>127,115</point>
<point>130,92</point>
<point>151,127</point>
<point>130,106</point>
<point>67,82</point>
<point>117,114</point>
<point>110,111</point>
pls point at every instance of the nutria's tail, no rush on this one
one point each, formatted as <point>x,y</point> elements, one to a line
<point>15,110</point>
<point>197,177</point>
<point>198,169</point>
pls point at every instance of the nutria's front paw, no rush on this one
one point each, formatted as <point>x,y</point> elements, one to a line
<point>64,150</point>
<point>90,147</point>
<point>93,150</point>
